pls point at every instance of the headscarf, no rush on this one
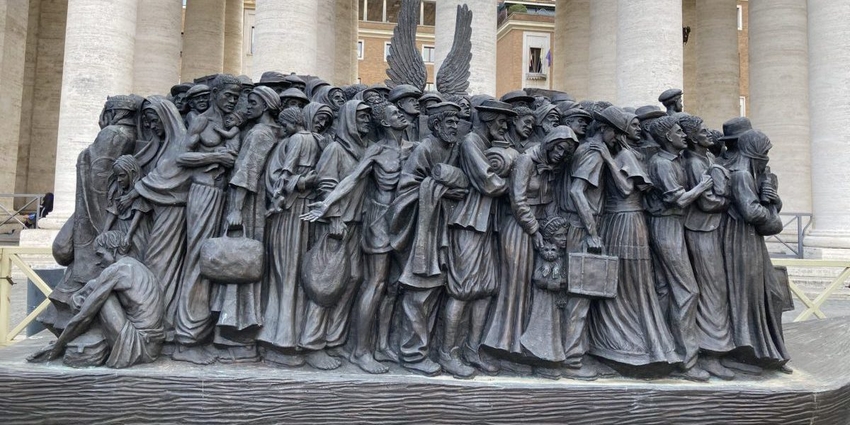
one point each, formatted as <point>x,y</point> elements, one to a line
<point>544,110</point>
<point>168,183</point>
<point>315,108</point>
<point>269,96</point>
<point>754,144</point>
<point>560,132</point>
<point>313,86</point>
<point>323,95</point>
<point>175,132</point>
<point>346,129</point>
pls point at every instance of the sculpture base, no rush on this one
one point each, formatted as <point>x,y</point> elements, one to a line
<point>818,392</point>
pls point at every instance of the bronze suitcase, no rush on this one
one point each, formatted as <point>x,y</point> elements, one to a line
<point>593,275</point>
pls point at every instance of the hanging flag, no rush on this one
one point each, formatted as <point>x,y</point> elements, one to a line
<point>549,58</point>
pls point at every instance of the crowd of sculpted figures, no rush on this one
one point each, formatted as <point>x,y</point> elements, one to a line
<point>297,223</point>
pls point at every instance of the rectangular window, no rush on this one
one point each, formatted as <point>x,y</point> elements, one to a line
<point>429,13</point>
<point>743,104</point>
<point>360,49</point>
<point>386,51</point>
<point>535,61</point>
<point>740,18</point>
<point>428,54</point>
<point>375,10</point>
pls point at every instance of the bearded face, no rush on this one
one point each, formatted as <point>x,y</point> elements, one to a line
<point>447,130</point>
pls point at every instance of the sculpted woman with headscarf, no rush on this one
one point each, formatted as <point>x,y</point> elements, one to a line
<point>166,188</point>
<point>290,185</point>
<point>531,201</point>
<point>326,327</point>
<point>753,298</point>
<point>319,119</point>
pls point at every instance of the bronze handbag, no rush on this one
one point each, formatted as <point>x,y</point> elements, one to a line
<point>232,260</point>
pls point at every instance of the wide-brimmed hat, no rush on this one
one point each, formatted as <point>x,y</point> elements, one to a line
<point>403,90</point>
<point>735,127</point>
<point>272,77</point>
<point>669,94</point>
<point>382,88</point>
<point>180,88</point>
<point>294,79</point>
<point>496,107</point>
<point>649,112</point>
<point>559,97</point>
<point>517,96</point>
<point>616,117</point>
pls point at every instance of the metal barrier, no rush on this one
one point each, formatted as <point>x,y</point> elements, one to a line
<point>813,306</point>
<point>801,222</point>
<point>32,202</point>
<point>9,258</point>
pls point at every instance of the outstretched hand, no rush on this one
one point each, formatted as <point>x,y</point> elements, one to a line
<point>317,211</point>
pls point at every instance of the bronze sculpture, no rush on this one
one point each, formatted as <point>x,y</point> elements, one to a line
<point>437,231</point>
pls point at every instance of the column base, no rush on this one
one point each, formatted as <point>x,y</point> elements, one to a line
<point>837,242</point>
<point>38,238</point>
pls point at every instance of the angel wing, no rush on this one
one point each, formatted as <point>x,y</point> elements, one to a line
<point>406,64</point>
<point>453,76</point>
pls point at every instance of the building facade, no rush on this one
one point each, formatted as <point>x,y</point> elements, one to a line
<point>783,62</point>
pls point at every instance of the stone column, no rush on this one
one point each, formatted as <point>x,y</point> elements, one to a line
<point>602,54</point>
<point>717,66</point>
<point>98,63</point>
<point>689,61</point>
<point>779,94</point>
<point>326,40</point>
<point>572,47</point>
<point>482,79</point>
<point>829,91</point>
<point>345,61</point>
<point>40,122</point>
<point>203,39</point>
<point>158,42</point>
<point>285,37</point>
<point>649,50</point>
<point>14,15</point>
<point>233,19</point>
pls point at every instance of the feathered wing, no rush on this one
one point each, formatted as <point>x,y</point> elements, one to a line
<point>405,63</point>
<point>453,76</point>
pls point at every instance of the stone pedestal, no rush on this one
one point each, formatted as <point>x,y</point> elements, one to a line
<point>572,47</point>
<point>818,392</point>
<point>99,49</point>
<point>649,50</point>
<point>602,55</point>
<point>203,39</point>
<point>829,91</point>
<point>482,78</point>
<point>779,94</point>
<point>158,43</point>
<point>285,37</point>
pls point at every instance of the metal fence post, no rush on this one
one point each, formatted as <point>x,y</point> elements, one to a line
<point>5,296</point>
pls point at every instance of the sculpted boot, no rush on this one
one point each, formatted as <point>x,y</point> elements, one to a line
<point>453,365</point>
